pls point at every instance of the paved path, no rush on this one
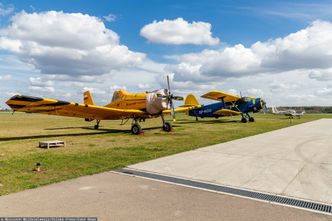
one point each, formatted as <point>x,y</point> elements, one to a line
<point>295,161</point>
<point>111,196</point>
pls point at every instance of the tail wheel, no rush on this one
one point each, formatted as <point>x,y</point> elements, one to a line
<point>167,127</point>
<point>136,129</point>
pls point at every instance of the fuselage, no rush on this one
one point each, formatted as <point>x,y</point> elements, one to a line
<point>124,100</point>
<point>153,103</point>
<point>245,105</point>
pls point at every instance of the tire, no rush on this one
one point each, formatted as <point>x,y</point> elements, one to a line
<point>167,127</point>
<point>136,129</point>
<point>243,120</point>
<point>251,119</point>
<point>96,127</point>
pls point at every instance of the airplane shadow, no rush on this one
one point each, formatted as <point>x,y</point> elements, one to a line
<point>57,135</point>
<point>65,128</point>
<point>99,131</point>
<point>215,121</point>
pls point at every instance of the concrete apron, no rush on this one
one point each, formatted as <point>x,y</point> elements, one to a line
<point>294,161</point>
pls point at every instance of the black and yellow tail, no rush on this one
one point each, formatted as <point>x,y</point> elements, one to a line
<point>190,100</point>
<point>88,98</point>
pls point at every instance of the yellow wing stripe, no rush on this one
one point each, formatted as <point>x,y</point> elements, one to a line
<point>227,112</point>
<point>181,109</point>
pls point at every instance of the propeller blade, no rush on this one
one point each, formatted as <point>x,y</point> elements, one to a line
<point>168,86</point>
<point>172,110</point>
<point>170,99</point>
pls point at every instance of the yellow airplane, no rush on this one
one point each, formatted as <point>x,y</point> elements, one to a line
<point>124,106</point>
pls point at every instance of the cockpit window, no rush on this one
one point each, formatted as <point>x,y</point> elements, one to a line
<point>246,99</point>
<point>116,96</point>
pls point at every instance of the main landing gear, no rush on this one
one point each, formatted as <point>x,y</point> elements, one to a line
<point>136,128</point>
<point>246,118</point>
<point>97,125</point>
<point>167,127</point>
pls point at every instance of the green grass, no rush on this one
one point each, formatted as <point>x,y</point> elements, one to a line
<point>89,151</point>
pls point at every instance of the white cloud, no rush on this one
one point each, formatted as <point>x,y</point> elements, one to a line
<point>178,32</point>
<point>40,85</point>
<point>143,86</point>
<point>110,17</point>
<point>66,43</point>
<point>41,89</point>
<point>6,77</point>
<point>321,75</point>
<point>257,92</point>
<point>6,10</point>
<point>326,91</point>
<point>309,48</point>
<point>115,87</point>
<point>38,81</point>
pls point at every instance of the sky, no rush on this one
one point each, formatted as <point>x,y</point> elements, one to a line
<point>278,50</point>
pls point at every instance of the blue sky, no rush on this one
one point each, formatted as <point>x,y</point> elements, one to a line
<point>227,45</point>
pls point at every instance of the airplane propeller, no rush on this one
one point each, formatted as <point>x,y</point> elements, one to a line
<point>171,97</point>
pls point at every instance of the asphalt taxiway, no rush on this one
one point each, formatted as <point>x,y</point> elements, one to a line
<point>294,161</point>
<point>111,196</point>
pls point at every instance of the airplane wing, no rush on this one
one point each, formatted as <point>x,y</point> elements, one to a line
<point>218,95</point>
<point>227,112</point>
<point>182,109</point>
<point>29,104</point>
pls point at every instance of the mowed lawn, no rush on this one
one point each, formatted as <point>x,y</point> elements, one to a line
<point>90,151</point>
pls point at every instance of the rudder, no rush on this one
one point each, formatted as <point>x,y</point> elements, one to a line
<point>191,100</point>
<point>88,98</point>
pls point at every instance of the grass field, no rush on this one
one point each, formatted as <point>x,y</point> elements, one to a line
<point>90,151</point>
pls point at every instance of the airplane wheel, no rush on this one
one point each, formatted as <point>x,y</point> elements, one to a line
<point>136,129</point>
<point>243,120</point>
<point>96,127</point>
<point>251,119</point>
<point>167,127</point>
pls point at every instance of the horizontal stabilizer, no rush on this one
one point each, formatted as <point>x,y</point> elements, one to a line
<point>227,112</point>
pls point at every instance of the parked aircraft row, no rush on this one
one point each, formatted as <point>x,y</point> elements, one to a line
<point>141,106</point>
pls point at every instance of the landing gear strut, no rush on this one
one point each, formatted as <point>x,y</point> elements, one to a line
<point>251,119</point>
<point>167,127</point>
<point>245,117</point>
<point>97,125</point>
<point>136,128</point>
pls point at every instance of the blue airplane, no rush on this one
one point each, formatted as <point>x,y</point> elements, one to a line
<point>228,105</point>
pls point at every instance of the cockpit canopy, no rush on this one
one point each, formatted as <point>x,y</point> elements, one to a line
<point>118,94</point>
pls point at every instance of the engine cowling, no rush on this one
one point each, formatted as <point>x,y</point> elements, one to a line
<point>157,101</point>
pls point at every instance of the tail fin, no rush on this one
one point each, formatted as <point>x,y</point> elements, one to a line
<point>88,98</point>
<point>190,100</point>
